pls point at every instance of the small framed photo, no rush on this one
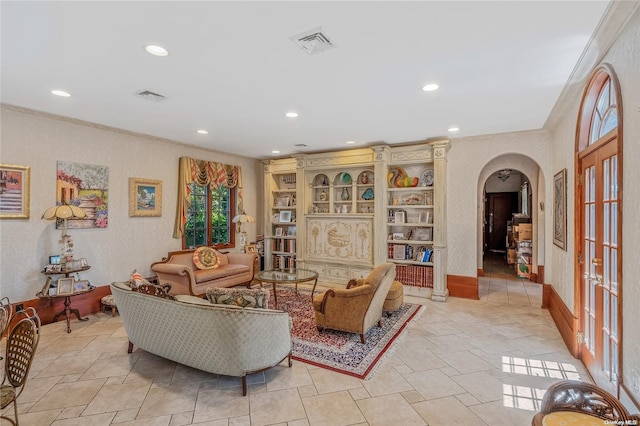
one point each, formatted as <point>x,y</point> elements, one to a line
<point>80,286</point>
<point>282,201</point>
<point>399,217</point>
<point>423,234</point>
<point>397,236</point>
<point>279,232</point>
<point>399,251</point>
<point>65,286</point>
<point>46,287</point>
<point>54,260</point>
<point>291,231</point>
<point>52,268</point>
<point>250,248</point>
<point>424,217</point>
<point>285,216</point>
<point>145,197</point>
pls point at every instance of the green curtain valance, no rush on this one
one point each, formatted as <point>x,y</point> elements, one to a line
<point>203,173</point>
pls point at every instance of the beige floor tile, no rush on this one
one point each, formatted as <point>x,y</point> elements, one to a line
<point>156,421</point>
<point>496,414</point>
<point>329,381</point>
<point>97,420</point>
<point>433,384</point>
<point>168,400</point>
<point>277,406</point>
<point>181,419</point>
<point>64,366</point>
<point>386,381</point>
<point>37,388</point>
<point>69,394</point>
<point>40,418</point>
<point>118,398</point>
<point>68,345</point>
<point>286,378</point>
<point>150,367</point>
<point>466,362</point>
<point>481,385</point>
<point>332,409</point>
<point>111,345</point>
<point>116,366</point>
<point>126,415</point>
<point>447,411</point>
<point>389,410</point>
<point>215,404</point>
<point>420,360</point>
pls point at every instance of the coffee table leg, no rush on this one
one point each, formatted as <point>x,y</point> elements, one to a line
<point>313,289</point>
<point>275,295</point>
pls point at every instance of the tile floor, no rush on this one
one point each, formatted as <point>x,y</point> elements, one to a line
<point>465,362</point>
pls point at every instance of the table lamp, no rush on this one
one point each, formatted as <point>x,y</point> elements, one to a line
<point>240,219</point>
<point>64,212</point>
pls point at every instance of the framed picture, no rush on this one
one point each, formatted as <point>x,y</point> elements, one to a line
<point>250,248</point>
<point>282,201</point>
<point>397,236</point>
<point>560,209</point>
<point>399,251</point>
<point>422,234</point>
<point>285,216</point>
<point>46,286</point>
<point>291,231</point>
<point>279,232</point>
<point>53,268</point>
<point>54,260</point>
<point>65,286</point>
<point>145,197</point>
<point>14,191</point>
<point>399,217</point>
<point>80,286</point>
<point>423,217</point>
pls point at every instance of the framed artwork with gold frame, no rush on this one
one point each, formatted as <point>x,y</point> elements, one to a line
<point>14,191</point>
<point>145,197</point>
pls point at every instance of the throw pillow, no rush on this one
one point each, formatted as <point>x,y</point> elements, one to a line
<point>206,258</point>
<point>137,279</point>
<point>243,297</point>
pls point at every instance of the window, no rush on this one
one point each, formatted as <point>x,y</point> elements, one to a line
<point>605,114</point>
<point>209,218</point>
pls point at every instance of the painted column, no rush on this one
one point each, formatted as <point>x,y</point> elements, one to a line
<point>439,258</point>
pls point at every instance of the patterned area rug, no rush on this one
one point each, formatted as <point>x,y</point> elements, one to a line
<point>337,350</point>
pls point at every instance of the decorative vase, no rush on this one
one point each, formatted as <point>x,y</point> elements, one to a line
<point>345,194</point>
<point>364,179</point>
<point>323,196</point>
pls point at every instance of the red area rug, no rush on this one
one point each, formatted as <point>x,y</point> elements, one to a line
<point>337,350</point>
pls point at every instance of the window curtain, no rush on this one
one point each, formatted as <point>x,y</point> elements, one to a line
<point>204,173</point>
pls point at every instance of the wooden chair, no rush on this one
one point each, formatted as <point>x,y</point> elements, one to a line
<point>6,310</point>
<point>22,343</point>
<point>577,399</point>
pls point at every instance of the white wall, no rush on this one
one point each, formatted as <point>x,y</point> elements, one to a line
<point>624,57</point>
<point>470,162</point>
<point>39,141</point>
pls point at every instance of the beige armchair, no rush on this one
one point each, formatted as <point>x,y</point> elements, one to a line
<point>358,307</point>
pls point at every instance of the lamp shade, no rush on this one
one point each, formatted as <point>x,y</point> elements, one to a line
<point>65,211</point>
<point>244,218</point>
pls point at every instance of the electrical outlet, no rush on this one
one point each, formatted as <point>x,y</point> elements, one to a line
<point>19,307</point>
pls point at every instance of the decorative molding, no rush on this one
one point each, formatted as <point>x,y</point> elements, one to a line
<point>438,152</point>
<point>481,272</point>
<point>351,160</point>
<point>343,239</point>
<point>422,155</point>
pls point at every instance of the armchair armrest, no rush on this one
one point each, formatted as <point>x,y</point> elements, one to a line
<point>344,294</point>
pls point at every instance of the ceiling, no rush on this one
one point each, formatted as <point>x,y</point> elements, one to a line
<point>233,70</point>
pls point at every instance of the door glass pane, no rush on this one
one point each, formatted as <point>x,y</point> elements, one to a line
<point>606,276</point>
<point>605,165</point>
<point>614,277</point>
<point>614,177</point>
<point>605,354</point>
<point>614,363</point>
<point>614,223</point>
<point>614,316</point>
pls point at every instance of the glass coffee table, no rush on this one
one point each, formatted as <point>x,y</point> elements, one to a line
<point>287,276</point>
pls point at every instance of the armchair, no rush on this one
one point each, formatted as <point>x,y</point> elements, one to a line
<point>179,270</point>
<point>575,402</point>
<point>358,307</point>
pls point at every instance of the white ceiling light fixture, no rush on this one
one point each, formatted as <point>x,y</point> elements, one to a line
<point>61,93</point>
<point>203,132</point>
<point>292,114</point>
<point>430,87</point>
<point>453,129</point>
<point>275,151</point>
<point>156,50</point>
<point>313,41</point>
<point>351,142</point>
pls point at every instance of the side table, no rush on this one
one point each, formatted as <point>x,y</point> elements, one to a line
<point>68,310</point>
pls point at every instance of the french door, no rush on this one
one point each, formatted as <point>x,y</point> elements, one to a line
<point>600,264</point>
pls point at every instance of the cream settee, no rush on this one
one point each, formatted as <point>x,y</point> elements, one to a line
<point>179,270</point>
<point>220,339</point>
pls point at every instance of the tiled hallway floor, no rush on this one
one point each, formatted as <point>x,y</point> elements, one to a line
<point>501,285</point>
<point>465,362</point>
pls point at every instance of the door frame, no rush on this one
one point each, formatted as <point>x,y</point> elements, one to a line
<point>600,75</point>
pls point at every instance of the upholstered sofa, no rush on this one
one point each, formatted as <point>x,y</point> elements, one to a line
<point>219,339</point>
<point>179,270</point>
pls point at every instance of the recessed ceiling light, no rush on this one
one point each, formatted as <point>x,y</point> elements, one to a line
<point>156,50</point>
<point>453,129</point>
<point>292,114</point>
<point>61,93</point>
<point>351,142</point>
<point>275,151</point>
<point>430,87</point>
<point>203,132</point>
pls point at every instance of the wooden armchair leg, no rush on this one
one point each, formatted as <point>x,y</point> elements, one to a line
<point>362,339</point>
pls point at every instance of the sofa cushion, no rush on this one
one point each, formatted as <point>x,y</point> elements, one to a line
<point>206,258</point>
<point>244,297</point>
<point>194,300</point>
<point>227,270</point>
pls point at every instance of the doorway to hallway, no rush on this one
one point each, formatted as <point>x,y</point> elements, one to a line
<point>500,284</point>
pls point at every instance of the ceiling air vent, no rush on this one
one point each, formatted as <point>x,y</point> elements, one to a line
<point>301,145</point>
<point>151,96</point>
<point>313,41</point>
